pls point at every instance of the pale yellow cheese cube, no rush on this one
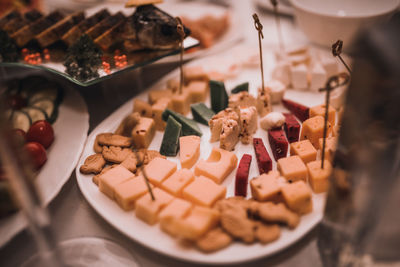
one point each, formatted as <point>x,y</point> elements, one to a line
<point>298,197</point>
<point>218,166</point>
<point>147,209</point>
<point>143,132</point>
<point>177,181</point>
<point>319,178</point>
<point>177,209</point>
<point>330,147</point>
<point>157,110</point>
<point>304,149</point>
<point>313,129</point>
<point>194,73</point>
<point>292,168</point>
<point>159,169</point>
<point>320,111</point>
<point>142,107</point>
<point>266,187</point>
<point>199,221</point>
<point>126,193</point>
<point>173,84</point>
<point>189,147</point>
<point>181,102</point>
<point>154,95</point>
<point>110,179</point>
<point>203,191</point>
<point>197,90</point>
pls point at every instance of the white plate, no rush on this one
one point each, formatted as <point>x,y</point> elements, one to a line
<point>151,236</point>
<point>70,130</point>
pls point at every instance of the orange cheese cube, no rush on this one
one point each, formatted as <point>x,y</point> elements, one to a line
<point>203,191</point>
<point>199,221</point>
<point>177,181</point>
<point>111,178</point>
<point>330,147</point>
<point>197,91</point>
<point>159,169</point>
<point>304,149</point>
<point>320,111</point>
<point>177,209</point>
<point>218,166</point>
<point>266,187</point>
<point>313,130</point>
<point>142,107</point>
<point>292,168</point>
<point>297,197</point>
<point>154,95</point>
<point>157,110</point>
<point>143,132</point>
<point>181,102</point>
<point>194,73</point>
<point>147,209</point>
<point>319,178</point>
<point>126,193</point>
<point>189,150</point>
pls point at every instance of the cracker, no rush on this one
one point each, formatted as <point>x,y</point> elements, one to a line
<point>109,139</point>
<point>93,164</point>
<point>235,222</point>
<point>130,162</point>
<point>278,213</point>
<point>96,146</point>
<point>116,154</point>
<point>266,233</point>
<point>214,240</point>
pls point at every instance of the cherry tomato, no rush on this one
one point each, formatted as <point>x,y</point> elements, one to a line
<point>41,132</point>
<point>16,101</point>
<point>37,154</point>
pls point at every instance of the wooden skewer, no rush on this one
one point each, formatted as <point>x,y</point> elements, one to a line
<point>181,32</point>
<point>278,24</point>
<point>259,28</point>
<point>140,166</point>
<point>337,50</point>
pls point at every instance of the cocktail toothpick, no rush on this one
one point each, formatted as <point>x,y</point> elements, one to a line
<point>140,166</point>
<point>181,32</point>
<point>333,83</point>
<point>278,24</point>
<point>337,50</point>
<point>259,28</point>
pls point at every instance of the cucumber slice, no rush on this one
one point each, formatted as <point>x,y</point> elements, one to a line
<point>35,113</point>
<point>21,120</point>
<point>48,90</point>
<point>45,104</point>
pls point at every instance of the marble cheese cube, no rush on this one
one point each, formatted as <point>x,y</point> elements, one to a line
<point>110,179</point>
<point>177,209</point>
<point>203,191</point>
<point>159,169</point>
<point>189,150</point>
<point>157,111</point>
<point>266,187</point>
<point>292,168</point>
<point>181,102</point>
<point>313,130</point>
<point>142,107</point>
<point>199,221</point>
<point>298,197</point>
<point>320,111</point>
<point>304,149</point>
<point>218,166</point>
<point>143,132</point>
<point>198,91</point>
<point>264,105</point>
<point>177,181</point>
<point>154,95</point>
<point>317,77</point>
<point>194,73</point>
<point>299,77</point>
<point>148,210</point>
<point>126,193</point>
<point>281,72</point>
<point>319,178</point>
<point>330,147</point>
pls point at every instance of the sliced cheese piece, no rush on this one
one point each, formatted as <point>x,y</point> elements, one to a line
<point>126,193</point>
<point>266,187</point>
<point>204,192</point>
<point>110,179</point>
<point>304,149</point>
<point>159,169</point>
<point>189,150</point>
<point>298,197</point>
<point>177,181</point>
<point>293,168</point>
<point>177,209</point>
<point>147,209</point>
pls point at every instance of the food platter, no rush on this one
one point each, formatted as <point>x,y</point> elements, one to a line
<point>132,227</point>
<point>70,131</point>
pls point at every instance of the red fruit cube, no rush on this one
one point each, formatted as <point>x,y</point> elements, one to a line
<point>242,176</point>
<point>292,128</point>
<point>278,143</point>
<point>300,111</point>
<point>264,161</point>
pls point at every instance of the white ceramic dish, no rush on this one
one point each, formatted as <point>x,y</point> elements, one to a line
<point>151,236</point>
<point>324,22</point>
<point>70,131</point>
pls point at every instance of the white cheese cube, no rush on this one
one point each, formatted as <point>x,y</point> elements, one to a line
<point>299,77</point>
<point>318,77</point>
<point>338,96</point>
<point>272,120</point>
<point>277,90</point>
<point>330,65</point>
<point>281,72</point>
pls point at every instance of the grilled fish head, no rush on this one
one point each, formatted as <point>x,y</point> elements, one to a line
<point>155,29</point>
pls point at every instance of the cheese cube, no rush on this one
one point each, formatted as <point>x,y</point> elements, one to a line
<point>229,136</point>
<point>298,197</point>
<point>194,73</point>
<point>197,90</point>
<point>337,97</point>
<point>157,111</point>
<point>147,209</point>
<point>248,124</point>
<point>173,84</point>
<point>299,77</point>
<point>330,147</point>
<point>241,99</point>
<point>320,111</point>
<point>266,187</point>
<point>292,168</point>
<point>181,102</point>
<point>177,209</point>
<point>319,178</point>
<point>330,65</point>
<point>143,132</point>
<point>189,150</point>
<point>216,76</point>
<point>281,72</point>
<point>199,221</point>
<point>218,166</point>
<point>264,105</point>
<point>142,107</point>
<point>313,130</point>
<point>126,193</point>
<point>277,90</point>
<point>110,179</point>
<point>154,95</point>
<point>318,77</point>
<point>218,119</point>
<point>159,169</point>
<point>304,149</point>
<point>177,181</point>
<point>203,191</point>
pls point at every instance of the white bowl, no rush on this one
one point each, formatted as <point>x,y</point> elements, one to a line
<point>326,21</point>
